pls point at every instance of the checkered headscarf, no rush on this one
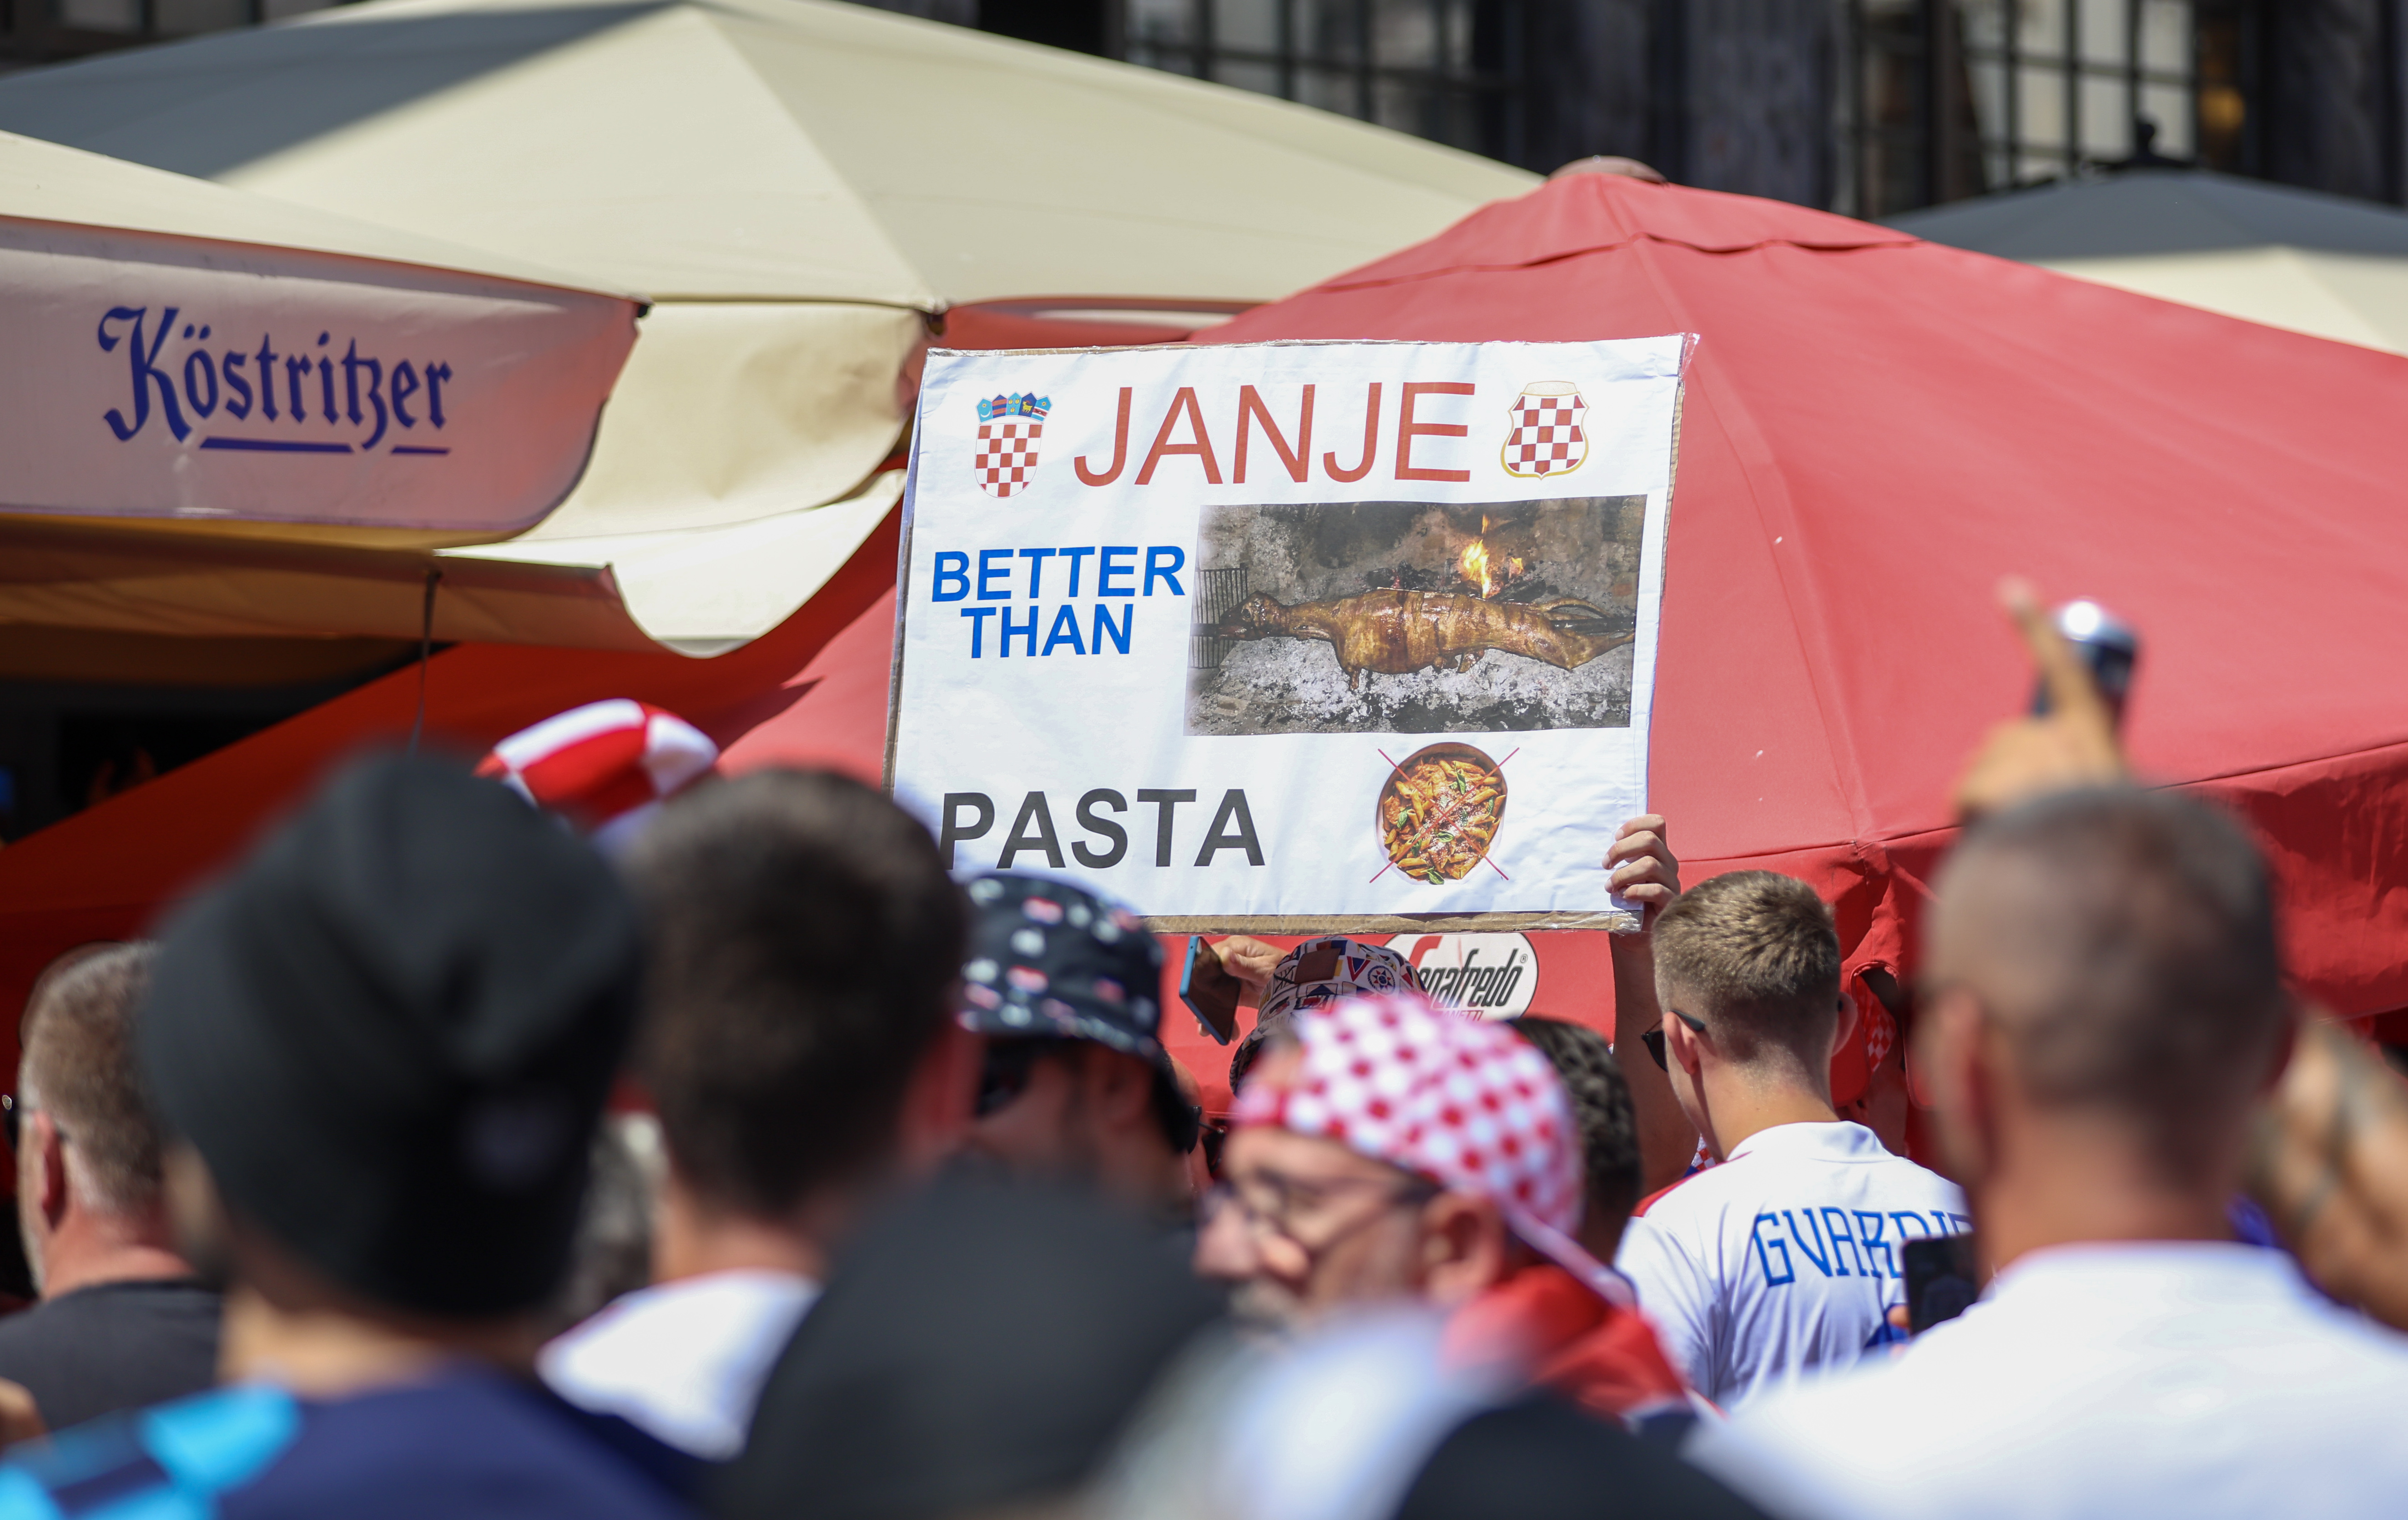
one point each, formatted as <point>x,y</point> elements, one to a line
<point>1462,1103</point>
<point>608,766</point>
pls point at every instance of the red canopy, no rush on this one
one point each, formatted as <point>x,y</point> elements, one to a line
<point>1874,430</point>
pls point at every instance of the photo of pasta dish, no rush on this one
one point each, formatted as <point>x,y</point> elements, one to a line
<point>1440,810</point>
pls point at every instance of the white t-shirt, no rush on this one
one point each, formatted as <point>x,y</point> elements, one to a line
<point>1781,1261</point>
<point>2190,1379</point>
<point>682,1361</point>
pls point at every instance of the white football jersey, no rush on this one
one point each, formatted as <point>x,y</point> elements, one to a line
<point>2099,1381</point>
<point>1783,1260</point>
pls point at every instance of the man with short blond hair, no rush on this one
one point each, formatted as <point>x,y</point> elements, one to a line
<point>1784,1259</point>
<point>122,1321</point>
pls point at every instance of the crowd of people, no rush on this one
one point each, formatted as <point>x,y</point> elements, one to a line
<point>595,1136</point>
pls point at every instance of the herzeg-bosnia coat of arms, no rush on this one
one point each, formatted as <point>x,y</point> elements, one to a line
<point>1010,428</point>
<point>1547,437</point>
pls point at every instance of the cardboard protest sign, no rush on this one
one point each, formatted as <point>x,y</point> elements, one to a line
<point>1289,634</point>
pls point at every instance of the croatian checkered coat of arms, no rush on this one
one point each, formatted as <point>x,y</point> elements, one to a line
<point>1010,428</point>
<point>1547,437</point>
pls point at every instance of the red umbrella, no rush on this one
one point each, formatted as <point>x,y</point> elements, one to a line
<point>1875,428</point>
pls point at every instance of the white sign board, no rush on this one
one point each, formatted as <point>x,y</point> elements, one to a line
<point>153,377</point>
<point>1252,634</point>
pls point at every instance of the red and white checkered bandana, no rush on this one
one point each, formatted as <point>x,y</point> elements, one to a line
<point>1462,1103</point>
<point>607,765</point>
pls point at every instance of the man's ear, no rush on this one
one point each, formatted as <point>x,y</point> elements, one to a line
<point>1844,1026</point>
<point>1463,1248</point>
<point>937,1099</point>
<point>1682,1043</point>
<point>50,1166</point>
<point>1120,1087</point>
<point>2287,1045</point>
<point>1954,1062</point>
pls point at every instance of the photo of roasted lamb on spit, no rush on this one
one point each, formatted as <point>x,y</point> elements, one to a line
<point>1396,632</point>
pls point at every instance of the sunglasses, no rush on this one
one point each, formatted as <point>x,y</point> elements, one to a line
<point>12,1121</point>
<point>1214,1137</point>
<point>1654,1039</point>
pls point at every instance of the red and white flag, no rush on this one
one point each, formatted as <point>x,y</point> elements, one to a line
<point>606,766</point>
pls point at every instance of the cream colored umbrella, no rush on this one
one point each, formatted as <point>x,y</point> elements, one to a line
<point>802,188</point>
<point>191,366</point>
<point>2289,258</point>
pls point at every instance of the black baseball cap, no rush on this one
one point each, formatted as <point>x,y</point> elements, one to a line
<point>1049,959</point>
<point>391,1032</point>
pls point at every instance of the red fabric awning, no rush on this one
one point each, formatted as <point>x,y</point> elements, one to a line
<point>1875,429</point>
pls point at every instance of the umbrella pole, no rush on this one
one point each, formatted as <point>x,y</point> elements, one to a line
<point>426,651</point>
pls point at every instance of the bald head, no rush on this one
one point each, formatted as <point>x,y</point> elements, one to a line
<point>2124,943</point>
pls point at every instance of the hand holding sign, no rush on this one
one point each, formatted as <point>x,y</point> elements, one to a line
<point>1646,872</point>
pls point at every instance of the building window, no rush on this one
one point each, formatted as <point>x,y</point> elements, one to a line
<point>48,31</point>
<point>1950,98</point>
<point>1435,68</point>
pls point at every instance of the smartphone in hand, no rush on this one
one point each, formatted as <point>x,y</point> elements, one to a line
<point>2105,643</point>
<point>1209,990</point>
<point>1941,1279</point>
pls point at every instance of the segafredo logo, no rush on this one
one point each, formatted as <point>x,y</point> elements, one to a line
<point>1493,975</point>
<point>304,398</point>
